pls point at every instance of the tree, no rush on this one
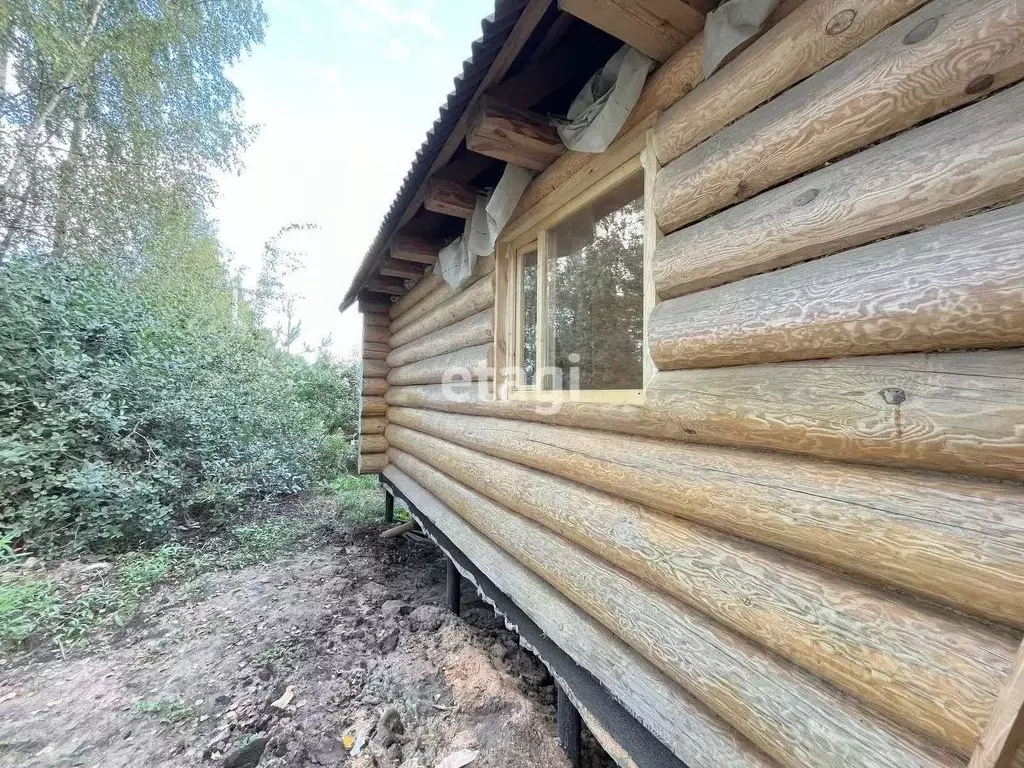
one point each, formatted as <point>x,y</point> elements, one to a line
<point>271,301</point>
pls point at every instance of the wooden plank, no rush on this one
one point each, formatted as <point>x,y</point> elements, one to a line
<point>373,406</point>
<point>942,673</point>
<point>475,329</point>
<point>679,721</point>
<point>948,53</point>
<point>469,301</point>
<point>373,386</point>
<point>375,369</point>
<point>652,236</point>
<point>1004,735</point>
<point>416,249</point>
<point>375,346</point>
<point>389,285</point>
<point>656,28</point>
<point>372,354</point>
<point>791,715</point>
<point>375,334</point>
<point>372,444</point>
<point>950,167</point>
<point>469,364</point>
<point>956,286</point>
<point>373,425</point>
<point>439,295</point>
<point>514,135</point>
<point>956,412</point>
<point>373,319</point>
<point>372,463</point>
<point>956,541</point>
<point>401,269</point>
<point>373,303</point>
<point>422,289</point>
<point>804,42</point>
<point>450,198</point>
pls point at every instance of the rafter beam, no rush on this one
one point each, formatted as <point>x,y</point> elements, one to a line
<point>406,270</point>
<point>389,285</point>
<point>450,198</point>
<point>513,135</point>
<point>656,28</point>
<point>418,249</point>
<point>374,303</point>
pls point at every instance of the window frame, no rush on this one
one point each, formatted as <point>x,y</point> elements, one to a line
<point>509,309</point>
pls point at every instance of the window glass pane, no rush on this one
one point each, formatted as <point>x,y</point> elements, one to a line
<point>528,297</point>
<point>595,294</point>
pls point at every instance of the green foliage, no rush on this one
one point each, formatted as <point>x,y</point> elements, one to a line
<point>123,417</point>
<point>359,497</point>
<point>26,608</point>
<point>265,542</point>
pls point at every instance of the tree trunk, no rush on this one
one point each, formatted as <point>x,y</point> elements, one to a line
<point>66,176</point>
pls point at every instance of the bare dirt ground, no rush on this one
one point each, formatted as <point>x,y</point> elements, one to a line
<point>340,656</point>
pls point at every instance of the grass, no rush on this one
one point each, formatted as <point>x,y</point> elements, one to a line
<point>33,606</point>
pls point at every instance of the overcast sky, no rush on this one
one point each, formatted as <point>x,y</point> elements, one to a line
<point>344,92</point>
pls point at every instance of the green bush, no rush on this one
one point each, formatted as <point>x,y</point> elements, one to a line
<point>122,417</point>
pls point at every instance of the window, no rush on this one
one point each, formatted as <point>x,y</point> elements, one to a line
<point>577,299</point>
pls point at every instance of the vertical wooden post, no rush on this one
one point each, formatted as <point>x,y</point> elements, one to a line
<point>454,589</point>
<point>1004,735</point>
<point>389,507</point>
<point>569,728</point>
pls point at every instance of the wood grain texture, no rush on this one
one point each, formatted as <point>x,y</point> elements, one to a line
<point>373,303</point>
<point>417,249</point>
<point>1003,738</point>
<point>956,541</point>
<point>373,406</point>
<point>375,369</point>
<point>959,285</point>
<point>656,28</point>
<point>687,727</point>
<point>387,285</point>
<point>465,303</point>
<point>960,163</point>
<point>941,674</point>
<point>957,412</point>
<point>373,354</point>
<point>791,715</point>
<point>402,269</point>
<point>514,135</point>
<point>809,39</point>
<point>374,386</point>
<point>376,334</point>
<point>450,198</point>
<point>378,320</point>
<point>373,425</point>
<point>440,294</point>
<point>475,329</point>
<point>883,87</point>
<point>422,289</point>
<point>468,364</point>
<point>372,463</point>
<point>373,444</point>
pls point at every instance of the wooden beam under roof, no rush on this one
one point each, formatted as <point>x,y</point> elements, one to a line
<point>407,270</point>
<point>656,28</point>
<point>374,303</point>
<point>513,135</point>
<point>389,285</point>
<point>418,249</point>
<point>450,198</point>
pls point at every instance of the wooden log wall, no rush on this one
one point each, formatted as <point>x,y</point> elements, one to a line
<point>373,408</point>
<point>806,546</point>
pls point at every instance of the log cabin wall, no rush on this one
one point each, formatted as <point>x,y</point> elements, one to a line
<point>373,445</point>
<point>805,546</point>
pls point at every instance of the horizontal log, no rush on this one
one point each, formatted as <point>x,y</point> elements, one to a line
<point>656,28</point>
<point>942,673</point>
<point>469,364</point>
<point>475,329</point>
<point>373,303</point>
<point>372,354</point>
<point>375,346</point>
<point>373,406</point>
<point>374,425</point>
<point>402,269</point>
<point>374,386</point>
<point>450,198</point>
<point>375,369</point>
<point>1004,737</point>
<point>372,463</point>
<point>948,53</point>
<point>960,163</point>
<point>373,444</point>
<point>683,724</point>
<point>952,412</point>
<point>375,320</point>
<point>439,295</point>
<point>809,39</point>
<point>514,135</point>
<point>959,285</point>
<point>419,249</point>
<point>423,288</point>
<point>463,304</point>
<point>951,540</point>
<point>791,715</point>
<point>376,334</point>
